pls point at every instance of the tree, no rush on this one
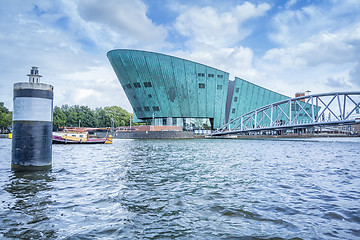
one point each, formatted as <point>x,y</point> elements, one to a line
<point>87,117</point>
<point>59,118</point>
<point>71,116</point>
<point>5,119</point>
<point>120,116</point>
<point>103,120</point>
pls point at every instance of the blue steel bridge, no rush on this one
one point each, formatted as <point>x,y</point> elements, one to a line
<point>318,110</point>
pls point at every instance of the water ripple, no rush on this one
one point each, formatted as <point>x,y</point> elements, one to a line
<point>187,189</point>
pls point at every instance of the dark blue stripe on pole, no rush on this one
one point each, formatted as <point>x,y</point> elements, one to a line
<point>37,93</point>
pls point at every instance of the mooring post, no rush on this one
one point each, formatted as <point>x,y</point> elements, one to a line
<point>32,124</point>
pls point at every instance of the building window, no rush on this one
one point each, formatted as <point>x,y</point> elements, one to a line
<point>220,76</point>
<point>156,108</point>
<point>137,85</point>
<point>149,95</point>
<point>138,109</point>
<point>219,87</point>
<point>147,109</point>
<point>210,75</point>
<point>128,85</point>
<point>201,85</point>
<point>237,89</point>
<point>235,99</point>
<point>233,110</point>
<point>147,84</point>
<point>201,74</point>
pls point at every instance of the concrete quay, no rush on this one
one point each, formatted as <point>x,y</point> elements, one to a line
<point>4,135</point>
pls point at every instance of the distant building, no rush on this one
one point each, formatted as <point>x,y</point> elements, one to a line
<point>167,90</point>
<point>300,94</point>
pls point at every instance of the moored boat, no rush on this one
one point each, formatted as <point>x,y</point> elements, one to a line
<point>78,138</point>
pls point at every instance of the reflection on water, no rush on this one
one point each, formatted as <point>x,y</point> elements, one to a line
<point>187,189</point>
<point>27,214</point>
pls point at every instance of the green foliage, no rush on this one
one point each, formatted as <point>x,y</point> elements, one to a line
<point>102,118</point>
<point>119,116</point>
<point>59,118</point>
<point>73,116</point>
<point>5,119</point>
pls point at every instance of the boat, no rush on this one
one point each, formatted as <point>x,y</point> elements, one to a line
<point>72,137</point>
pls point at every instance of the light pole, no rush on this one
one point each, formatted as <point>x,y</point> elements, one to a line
<point>130,124</point>
<point>79,122</point>
<point>153,121</point>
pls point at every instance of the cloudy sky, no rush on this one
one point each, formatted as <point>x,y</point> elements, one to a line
<point>285,45</point>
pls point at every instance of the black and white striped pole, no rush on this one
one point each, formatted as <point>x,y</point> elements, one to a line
<point>32,124</point>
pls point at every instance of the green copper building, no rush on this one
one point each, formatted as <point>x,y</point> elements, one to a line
<point>167,90</point>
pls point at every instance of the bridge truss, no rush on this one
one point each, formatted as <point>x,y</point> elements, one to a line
<point>326,109</point>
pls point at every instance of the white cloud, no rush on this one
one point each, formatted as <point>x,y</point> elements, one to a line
<point>101,88</point>
<point>127,19</point>
<point>338,47</point>
<point>208,26</point>
<point>317,49</point>
<point>290,3</point>
<point>288,24</point>
<point>354,75</point>
<point>338,83</point>
<point>293,26</point>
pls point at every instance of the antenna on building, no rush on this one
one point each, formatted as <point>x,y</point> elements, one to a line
<point>34,76</point>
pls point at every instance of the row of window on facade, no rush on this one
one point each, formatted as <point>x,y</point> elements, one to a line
<point>210,75</point>
<point>149,96</point>
<point>138,85</point>
<point>201,85</point>
<point>148,84</point>
<point>218,87</point>
<point>148,109</point>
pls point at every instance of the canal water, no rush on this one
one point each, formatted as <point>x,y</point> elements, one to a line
<point>187,189</point>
